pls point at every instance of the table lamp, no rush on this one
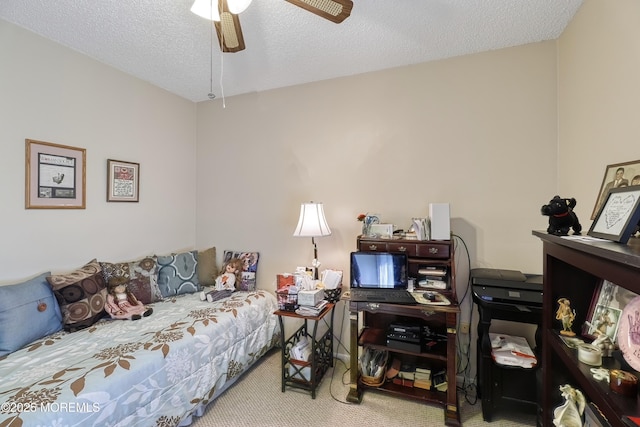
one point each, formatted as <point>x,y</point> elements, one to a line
<point>312,223</point>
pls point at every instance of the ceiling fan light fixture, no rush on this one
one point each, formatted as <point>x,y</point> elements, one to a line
<point>203,8</point>
<point>333,10</point>
<point>238,6</point>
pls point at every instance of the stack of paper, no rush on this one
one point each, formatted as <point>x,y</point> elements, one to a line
<point>310,311</point>
<point>512,351</point>
<point>421,228</point>
<point>331,279</point>
<point>302,350</point>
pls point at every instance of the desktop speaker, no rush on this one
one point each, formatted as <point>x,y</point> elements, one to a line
<point>439,221</point>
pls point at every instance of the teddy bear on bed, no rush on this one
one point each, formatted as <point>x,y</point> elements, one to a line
<point>561,216</point>
<point>122,303</point>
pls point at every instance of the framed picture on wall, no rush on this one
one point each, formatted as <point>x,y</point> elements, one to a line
<point>619,215</point>
<point>616,176</point>
<point>55,176</point>
<point>123,181</point>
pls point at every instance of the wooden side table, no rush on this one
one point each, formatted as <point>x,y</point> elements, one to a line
<point>306,374</point>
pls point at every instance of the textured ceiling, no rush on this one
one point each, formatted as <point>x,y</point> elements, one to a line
<point>162,42</point>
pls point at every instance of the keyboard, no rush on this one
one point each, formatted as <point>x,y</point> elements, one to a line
<point>391,296</point>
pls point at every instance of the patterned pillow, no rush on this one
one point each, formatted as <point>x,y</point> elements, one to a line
<point>28,312</point>
<point>178,274</point>
<point>81,295</point>
<point>249,270</point>
<point>142,276</point>
<point>207,267</point>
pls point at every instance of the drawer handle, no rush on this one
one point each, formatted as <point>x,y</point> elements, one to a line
<point>373,247</point>
<point>402,249</point>
<point>433,250</point>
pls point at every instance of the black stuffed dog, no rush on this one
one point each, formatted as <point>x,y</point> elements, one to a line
<point>561,216</point>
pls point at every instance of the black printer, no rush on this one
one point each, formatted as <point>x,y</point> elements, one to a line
<point>506,286</point>
<point>517,297</point>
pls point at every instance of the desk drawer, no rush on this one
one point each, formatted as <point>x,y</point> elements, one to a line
<point>433,250</point>
<point>407,248</point>
<point>370,246</point>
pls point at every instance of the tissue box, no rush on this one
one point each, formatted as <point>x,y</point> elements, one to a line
<point>310,298</point>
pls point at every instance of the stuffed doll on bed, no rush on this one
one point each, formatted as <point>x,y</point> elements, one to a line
<point>122,303</point>
<point>231,276</point>
<point>225,283</point>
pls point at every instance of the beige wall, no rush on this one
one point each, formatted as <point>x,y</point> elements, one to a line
<point>50,93</point>
<point>478,132</point>
<point>474,131</point>
<point>599,96</point>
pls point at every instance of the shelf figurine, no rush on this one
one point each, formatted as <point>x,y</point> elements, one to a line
<point>567,315</point>
<point>569,414</point>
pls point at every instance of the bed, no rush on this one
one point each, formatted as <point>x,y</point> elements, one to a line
<point>160,370</point>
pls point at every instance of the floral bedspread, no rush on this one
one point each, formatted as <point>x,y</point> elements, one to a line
<point>155,371</point>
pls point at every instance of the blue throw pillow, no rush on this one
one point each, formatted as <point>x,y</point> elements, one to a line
<point>178,274</point>
<point>28,311</point>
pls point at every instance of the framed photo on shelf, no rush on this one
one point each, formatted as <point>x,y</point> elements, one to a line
<point>123,181</point>
<point>615,176</point>
<point>55,176</point>
<point>618,216</point>
<point>606,308</point>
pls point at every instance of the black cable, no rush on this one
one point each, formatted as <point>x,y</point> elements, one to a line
<point>469,390</point>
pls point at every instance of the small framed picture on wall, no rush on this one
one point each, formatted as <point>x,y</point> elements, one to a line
<point>123,181</point>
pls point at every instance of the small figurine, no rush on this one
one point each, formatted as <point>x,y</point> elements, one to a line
<point>569,414</point>
<point>567,315</point>
<point>122,303</point>
<point>604,343</point>
<point>232,275</point>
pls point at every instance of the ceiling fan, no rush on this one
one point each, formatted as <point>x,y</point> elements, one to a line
<point>227,22</point>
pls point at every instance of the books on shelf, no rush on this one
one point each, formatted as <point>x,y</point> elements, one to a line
<point>422,378</point>
<point>407,370</point>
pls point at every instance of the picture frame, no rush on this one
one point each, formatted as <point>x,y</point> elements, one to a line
<point>55,176</point>
<point>618,216</point>
<point>605,311</point>
<point>123,181</point>
<point>630,175</point>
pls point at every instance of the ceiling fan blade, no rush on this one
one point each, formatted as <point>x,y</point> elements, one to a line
<point>333,10</point>
<point>229,30</point>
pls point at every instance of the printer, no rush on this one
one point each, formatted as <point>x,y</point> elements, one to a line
<point>506,286</point>
<point>516,297</point>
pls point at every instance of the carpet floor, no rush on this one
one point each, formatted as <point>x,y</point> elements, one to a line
<point>257,400</point>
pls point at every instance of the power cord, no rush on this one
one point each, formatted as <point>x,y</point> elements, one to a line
<point>464,349</point>
<point>336,360</point>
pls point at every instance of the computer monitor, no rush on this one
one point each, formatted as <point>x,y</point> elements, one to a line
<point>379,270</point>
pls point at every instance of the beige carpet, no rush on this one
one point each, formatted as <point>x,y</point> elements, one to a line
<point>256,400</point>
